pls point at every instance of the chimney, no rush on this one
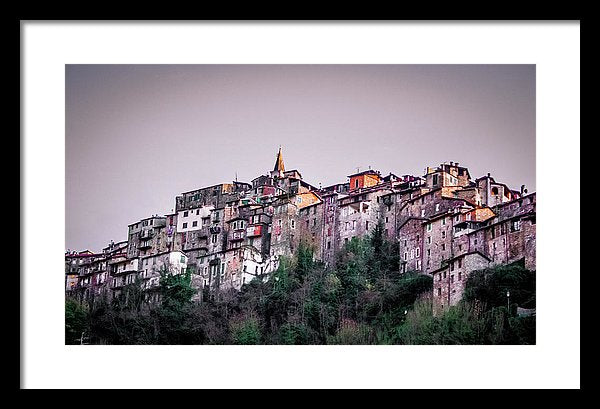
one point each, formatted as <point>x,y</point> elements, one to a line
<point>522,189</point>
<point>488,174</point>
<point>451,163</point>
<point>456,163</point>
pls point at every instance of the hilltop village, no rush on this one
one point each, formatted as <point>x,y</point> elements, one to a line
<point>446,224</point>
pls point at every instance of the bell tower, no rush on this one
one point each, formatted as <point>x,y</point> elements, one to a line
<point>279,168</point>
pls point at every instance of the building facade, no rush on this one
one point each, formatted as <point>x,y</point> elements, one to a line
<point>226,235</point>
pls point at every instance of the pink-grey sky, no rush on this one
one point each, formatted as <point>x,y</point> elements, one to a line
<point>138,135</point>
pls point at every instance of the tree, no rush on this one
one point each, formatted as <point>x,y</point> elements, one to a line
<point>76,321</point>
<point>490,285</point>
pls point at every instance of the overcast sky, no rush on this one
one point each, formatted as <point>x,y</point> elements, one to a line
<point>138,135</point>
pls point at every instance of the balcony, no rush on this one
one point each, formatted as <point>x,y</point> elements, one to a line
<point>236,235</point>
<point>146,235</point>
<point>117,259</point>
<point>145,245</point>
<point>254,231</point>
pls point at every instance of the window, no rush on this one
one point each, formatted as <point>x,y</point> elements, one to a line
<point>439,291</point>
<point>356,183</point>
<point>444,274</point>
<point>452,266</point>
<point>459,276</point>
<point>459,263</point>
<point>443,246</point>
<point>293,224</point>
<point>423,213</point>
<point>214,238</point>
<point>428,226</point>
<point>185,225</point>
<point>443,234</point>
<point>418,252</point>
<point>194,224</point>
<point>314,222</point>
<point>328,245</point>
<point>366,225</point>
<point>428,252</point>
<point>197,211</point>
<point>435,180</point>
<point>437,207</point>
<point>451,278</point>
<point>405,256</point>
<point>429,240</point>
<point>387,219</point>
<point>515,225</point>
<point>185,214</point>
<point>444,221</point>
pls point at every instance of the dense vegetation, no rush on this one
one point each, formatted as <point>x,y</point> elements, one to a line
<point>362,299</point>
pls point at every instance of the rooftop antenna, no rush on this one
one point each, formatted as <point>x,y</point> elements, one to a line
<point>236,176</point>
<point>358,169</point>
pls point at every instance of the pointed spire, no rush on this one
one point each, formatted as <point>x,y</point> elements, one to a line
<point>279,167</point>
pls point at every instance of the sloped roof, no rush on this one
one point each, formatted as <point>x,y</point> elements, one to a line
<point>279,166</point>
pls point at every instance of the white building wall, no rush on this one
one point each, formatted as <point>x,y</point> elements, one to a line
<point>193,215</point>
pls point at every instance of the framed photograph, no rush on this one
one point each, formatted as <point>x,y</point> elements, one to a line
<point>281,197</point>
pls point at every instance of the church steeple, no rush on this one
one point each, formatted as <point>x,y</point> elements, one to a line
<point>279,167</point>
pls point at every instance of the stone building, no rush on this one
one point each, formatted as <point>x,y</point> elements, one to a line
<point>73,262</point>
<point>151,267</point>
<point>146,236</point>
<point>449,280</point>
<point>446,225</point>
